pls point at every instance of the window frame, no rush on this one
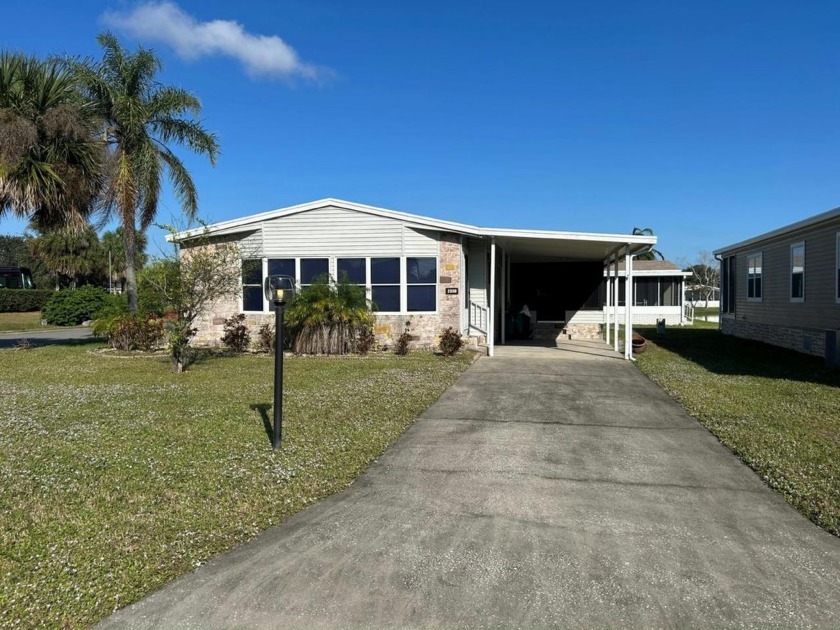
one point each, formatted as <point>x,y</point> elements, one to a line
<point>755,276</point>
<point>801,299</point>
<point>728,285</point>
<point>406,285</point>
<point>837,268</point>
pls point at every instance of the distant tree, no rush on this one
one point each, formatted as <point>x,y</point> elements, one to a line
<point>142,119</point>
<point>705,276</point>
<point>114,244</point>
<point>50,163</point>
<point>70,253</point>
<point>653,254</point>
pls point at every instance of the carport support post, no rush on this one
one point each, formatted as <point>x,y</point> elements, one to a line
<point>505,281</point>
<point>491,320</point>
<point>608,286</point>
<point>628,302</point>
<point>616,284</point>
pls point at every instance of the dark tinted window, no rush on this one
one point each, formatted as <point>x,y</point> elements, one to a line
<point>252,272</point>
<point>385,270</point>
<point>422,298</point>
<point>281,267</point>
<point>252,298</point>
<point>353,269</point>
<point>312,268</point>
<point>421,270</point>
<point>386,298</point>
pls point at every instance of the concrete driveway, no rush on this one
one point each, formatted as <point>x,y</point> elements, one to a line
<point>546,488</point>
<point>49,336</point>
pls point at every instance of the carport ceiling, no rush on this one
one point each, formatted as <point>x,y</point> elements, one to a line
<point>569,247</point>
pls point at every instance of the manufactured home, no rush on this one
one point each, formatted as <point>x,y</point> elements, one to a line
<point>783,287</point>
<point>437,273</point>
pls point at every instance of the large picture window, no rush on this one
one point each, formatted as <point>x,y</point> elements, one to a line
<point>252,290</point>
<point>421,277</point>
<point>385,284</point>
<point>754,277</point>
<point>797,272</point>
<point>353,270</point>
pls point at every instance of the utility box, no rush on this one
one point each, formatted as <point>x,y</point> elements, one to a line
<point>660,326</point>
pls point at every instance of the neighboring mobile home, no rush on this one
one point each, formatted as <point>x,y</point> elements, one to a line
<point>783,287</point>
<point>432,272</point>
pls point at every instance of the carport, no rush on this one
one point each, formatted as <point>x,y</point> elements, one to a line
<point>557,269</point>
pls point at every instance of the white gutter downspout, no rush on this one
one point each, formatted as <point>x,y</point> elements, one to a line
<point>608,288</point>
<point>505,281</point>
<point>491,319</point>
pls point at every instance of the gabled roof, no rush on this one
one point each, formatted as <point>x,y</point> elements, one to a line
<point>788,229</point>
<point>543,238</point>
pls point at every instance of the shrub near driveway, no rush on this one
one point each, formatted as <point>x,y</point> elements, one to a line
<point>778,410</point>
<point>117,476</point>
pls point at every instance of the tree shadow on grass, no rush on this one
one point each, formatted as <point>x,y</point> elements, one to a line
<point>262,409</point>
<point>726,354</point>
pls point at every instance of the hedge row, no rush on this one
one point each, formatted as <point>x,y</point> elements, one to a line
<point>23,300</point>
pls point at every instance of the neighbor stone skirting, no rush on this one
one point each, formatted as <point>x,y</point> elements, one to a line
<point>808,341</point>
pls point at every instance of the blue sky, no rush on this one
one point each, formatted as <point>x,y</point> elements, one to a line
<point>707,121</point>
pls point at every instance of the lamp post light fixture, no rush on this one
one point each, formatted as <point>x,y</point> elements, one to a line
<point>278,289</point>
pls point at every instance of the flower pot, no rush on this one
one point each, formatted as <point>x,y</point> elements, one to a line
<point>639,344</point>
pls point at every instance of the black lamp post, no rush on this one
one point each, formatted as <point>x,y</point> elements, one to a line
<point>278,289</point>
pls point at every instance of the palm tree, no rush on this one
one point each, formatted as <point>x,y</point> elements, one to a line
<point>652,253</point>
<point>113,253</point>
<point>142,117</point>
<point>69,252</point>
<point>50,165</point>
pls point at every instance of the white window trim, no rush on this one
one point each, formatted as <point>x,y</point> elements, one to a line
<point>242,285</point>
<point>760,298</point>
<point>405,285</point>
<point>797,300</point>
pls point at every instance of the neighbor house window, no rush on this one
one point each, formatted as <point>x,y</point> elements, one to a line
<point>385,284</point>
<point>797,272</point>
<point>421,277</point>
<point>312,269</point>
<point>754,277</point>
<point>727,278</point>
<point>837,269</point>
<point>252,290</point>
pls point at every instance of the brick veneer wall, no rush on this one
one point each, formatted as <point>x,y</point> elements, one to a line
<point>804,340</point>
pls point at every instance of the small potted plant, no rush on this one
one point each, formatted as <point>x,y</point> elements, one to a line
<point>639,343</point>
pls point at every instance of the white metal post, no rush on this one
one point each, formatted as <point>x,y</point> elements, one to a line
<point>491,320</point>
<point>682,301</point>
<point>628,305</point>
<point>504,293</point>
<point>616,288</point>
<point>608,286</point>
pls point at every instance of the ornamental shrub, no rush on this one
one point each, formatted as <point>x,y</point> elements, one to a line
<point>267,338</point>
<point>450,342</point>
<point>71,307</point>
<point>23,300</point>
<point>236,335</point>
<point>130,332</point>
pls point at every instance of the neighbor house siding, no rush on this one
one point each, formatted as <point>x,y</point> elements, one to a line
<point>776,319</point>
<point>819,310</point>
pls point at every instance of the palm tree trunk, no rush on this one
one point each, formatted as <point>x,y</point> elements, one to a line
<point>130,242</point>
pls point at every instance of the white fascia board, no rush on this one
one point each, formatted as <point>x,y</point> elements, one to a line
<point>619,239</point>
<point>783,231</point>
<point>651,272</point>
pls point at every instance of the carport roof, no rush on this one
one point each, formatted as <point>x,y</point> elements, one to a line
<point>533,243</point>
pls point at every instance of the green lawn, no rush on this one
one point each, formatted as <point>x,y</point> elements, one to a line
<point>117,476</point>
<point>778,410</point>
<point>14,322</point>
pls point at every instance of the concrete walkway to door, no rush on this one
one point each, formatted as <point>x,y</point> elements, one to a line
<point>546,488</point>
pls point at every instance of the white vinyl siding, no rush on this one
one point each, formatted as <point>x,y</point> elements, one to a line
<point>344,233</point>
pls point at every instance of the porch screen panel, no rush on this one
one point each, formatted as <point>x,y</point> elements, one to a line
<point>647,291</point>
<point>669,292</point>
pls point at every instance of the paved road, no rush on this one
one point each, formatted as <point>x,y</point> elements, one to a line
<point>46,337</point>
<point>544,489</point>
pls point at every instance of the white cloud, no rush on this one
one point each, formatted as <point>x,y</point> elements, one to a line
<point>261,55</point>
